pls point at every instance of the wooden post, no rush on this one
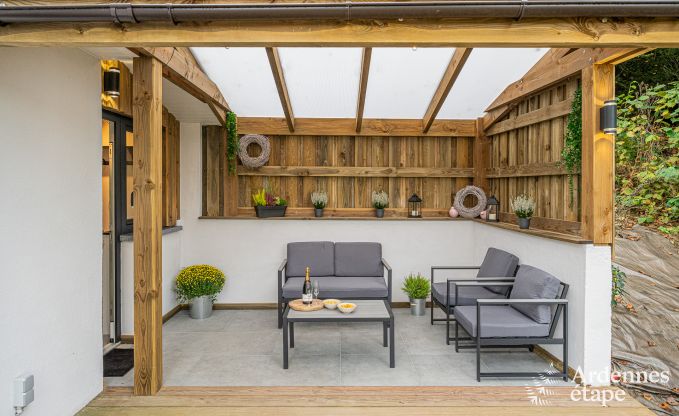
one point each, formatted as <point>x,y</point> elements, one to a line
<point>481,155</point>
<point>598,156</point>
<point>148,164</point>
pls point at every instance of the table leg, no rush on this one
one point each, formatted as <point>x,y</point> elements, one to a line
<point>285,344</point>
<point>392,359</point>
<point>385,326</point>
<point>292,335</point>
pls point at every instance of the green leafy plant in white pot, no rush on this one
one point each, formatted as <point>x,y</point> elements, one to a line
<point>199,285</point>
<point>380,201</point>
<point>320,200</point>
<point>417,288</point>
<point>523,207</point>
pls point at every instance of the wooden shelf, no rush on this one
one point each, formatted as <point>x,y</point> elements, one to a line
<point>300,218</point>
<point>569,238</point>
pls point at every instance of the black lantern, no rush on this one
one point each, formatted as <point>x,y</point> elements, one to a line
<point>608,120</point>
<point>493,209</point>
<point>414,207</point>
<point>112,82</point>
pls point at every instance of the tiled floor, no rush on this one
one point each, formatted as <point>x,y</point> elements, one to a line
<point>244,348</point>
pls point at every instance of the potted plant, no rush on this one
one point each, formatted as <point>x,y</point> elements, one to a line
<point>523,206</point>
<point>269,205</point>
<point>320,201</point>
<point>199,285</point>
<point>380,201</point>
<point>417,288</point>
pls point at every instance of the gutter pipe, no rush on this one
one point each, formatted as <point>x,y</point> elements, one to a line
<point>127,13</point>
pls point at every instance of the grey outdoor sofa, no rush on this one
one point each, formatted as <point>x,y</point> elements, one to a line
<point>528,317</point>
<point>498,267</point>
<point>343,271</point>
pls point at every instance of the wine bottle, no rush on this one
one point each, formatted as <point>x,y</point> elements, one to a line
<point>307,296</point>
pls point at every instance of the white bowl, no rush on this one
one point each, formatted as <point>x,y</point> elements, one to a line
<point>349,308</point>
<point>328,303</point>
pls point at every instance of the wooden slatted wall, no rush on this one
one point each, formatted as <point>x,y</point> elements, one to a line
<point>170,169</point>
<point>348,168</point>
<point>525,150</point>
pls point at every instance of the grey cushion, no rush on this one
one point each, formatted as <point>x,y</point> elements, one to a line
<point>499,321</point>
<point>533,283</point>
<point>358,259</point>
<point>348,287</point>
<point>318,255</point>
<point>468,295</point>
<point>498,263</point>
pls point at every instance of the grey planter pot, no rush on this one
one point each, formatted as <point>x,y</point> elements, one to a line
<point>524,223</point>
<point>379,212</point>
<point>201,307</point>
<point>268,212</point>
<point>318,212</point>
<point>418,307</point>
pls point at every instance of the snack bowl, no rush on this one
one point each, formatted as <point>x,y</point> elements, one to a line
<point>331,303</point>
<point>346,307</point>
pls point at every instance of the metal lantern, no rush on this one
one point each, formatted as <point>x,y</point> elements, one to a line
<point>493,209</point>
<point>414,207</point>
<point>112,82</point>
<point>608,121</point>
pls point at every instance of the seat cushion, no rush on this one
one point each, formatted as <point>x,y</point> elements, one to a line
<point>533,283</point>
<point>318,255</point>
<point>498,263</point>
<point>468,295</point>
<point>358,259</point>
<point>348,287</point>
<point>499,321</point>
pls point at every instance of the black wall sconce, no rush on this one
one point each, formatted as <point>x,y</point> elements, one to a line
<point>112,82</point>
<point>608,117</point>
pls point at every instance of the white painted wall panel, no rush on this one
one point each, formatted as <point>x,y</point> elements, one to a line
<point>50,244</point>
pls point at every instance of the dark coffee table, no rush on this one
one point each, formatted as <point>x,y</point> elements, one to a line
<point>366,311</point>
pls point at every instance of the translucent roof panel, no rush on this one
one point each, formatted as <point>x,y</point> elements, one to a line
<point>244,77</point>
<point>322,82</point>
<point>402,81</point>
<point>486,74</point>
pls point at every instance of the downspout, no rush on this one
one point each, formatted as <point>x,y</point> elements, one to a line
<point>179,13</point>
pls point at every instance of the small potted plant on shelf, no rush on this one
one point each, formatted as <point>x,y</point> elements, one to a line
<point>320,201</point>
<point>380,201</point>
<point>199,285</point>
<point>417,288</point>
<point>269,205</point>
<point>523,206</point>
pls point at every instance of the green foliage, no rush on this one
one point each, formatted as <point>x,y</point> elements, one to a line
<point>647,156</point>
<point>523,206</point>
<point>231,142</point>
<point>659,66</point>
<point>199,280</point>
<point>416,286</point>
<point>618,291</point>
<point>380,199</point>
<point>266,198</point>
<point>571,155</point>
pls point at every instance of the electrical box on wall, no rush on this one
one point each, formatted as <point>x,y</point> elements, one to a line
<point>23,392</point>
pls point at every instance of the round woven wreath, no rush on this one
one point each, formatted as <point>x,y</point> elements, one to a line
<point>249,161</point>
<point>474,211</point>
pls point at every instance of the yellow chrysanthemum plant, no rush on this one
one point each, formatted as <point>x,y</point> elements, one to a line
<point>199,280</point>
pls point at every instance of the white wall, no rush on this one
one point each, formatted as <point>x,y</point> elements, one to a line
<point>50,227</point>
<point>172,244</point>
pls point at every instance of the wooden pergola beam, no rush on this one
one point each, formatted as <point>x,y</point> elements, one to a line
<point>528,32</point>
<point>182,69</point>
<point>453,70</point>
<point>147,110</point>
<point>279,79</point>
<point>363,86</point>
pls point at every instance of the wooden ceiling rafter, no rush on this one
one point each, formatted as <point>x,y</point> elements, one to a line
<point>363,86</point>
<point>279,79</point>
<point>450,75</point>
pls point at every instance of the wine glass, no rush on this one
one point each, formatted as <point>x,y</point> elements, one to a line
<point>315,289</point>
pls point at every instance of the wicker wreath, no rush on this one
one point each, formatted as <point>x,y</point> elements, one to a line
<point>249,161</point>
<point>474,211</point>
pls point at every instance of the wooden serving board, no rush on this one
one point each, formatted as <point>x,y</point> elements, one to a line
<point>298,305</point>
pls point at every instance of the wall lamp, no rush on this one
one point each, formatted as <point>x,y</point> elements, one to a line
<point>608,117</point>
<point>112,82</point>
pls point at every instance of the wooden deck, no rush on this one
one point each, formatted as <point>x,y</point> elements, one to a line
<point>344,401</point>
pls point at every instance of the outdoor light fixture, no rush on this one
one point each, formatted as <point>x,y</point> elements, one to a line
<point>608,121</point>
<point>112,82</point>
<point>414,207</point>
<point>493,209</point>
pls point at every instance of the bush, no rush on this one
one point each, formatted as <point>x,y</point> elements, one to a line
<point>199,280</point>
<point>618,286</point>
<point>416,286</point>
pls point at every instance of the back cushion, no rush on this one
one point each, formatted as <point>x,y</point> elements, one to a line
<point>533,283</point>
<point>318,255</point>
<point>498,263</point>
<point>358,259</point>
